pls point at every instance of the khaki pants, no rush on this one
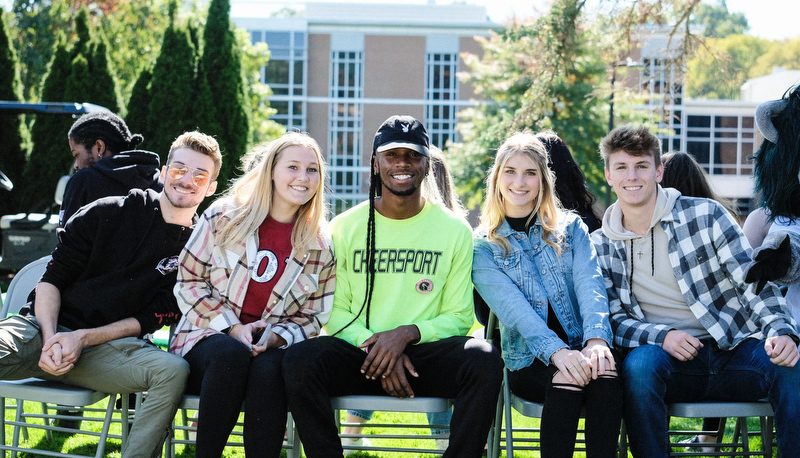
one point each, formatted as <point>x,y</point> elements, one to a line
<point>128,365</point>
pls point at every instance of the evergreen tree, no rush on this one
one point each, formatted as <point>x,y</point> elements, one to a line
<point>106,89</point>
<point>223,68</point>
<point>50,157</point>
<point>139,106</point>
<point>14,140</point>
<point>80,81</point>
<point>171,91</point>
<point>203,108</point>
<point>84,35</point>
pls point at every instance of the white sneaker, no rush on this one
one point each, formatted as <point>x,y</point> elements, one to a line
<point>355,441</point>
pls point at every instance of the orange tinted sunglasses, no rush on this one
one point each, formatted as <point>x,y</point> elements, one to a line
<point>200,178</point>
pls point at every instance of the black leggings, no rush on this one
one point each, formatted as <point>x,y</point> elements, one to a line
<point>225,375</point>
<point>601,401</point>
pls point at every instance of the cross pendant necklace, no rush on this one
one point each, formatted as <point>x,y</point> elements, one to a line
<point>639,254</point>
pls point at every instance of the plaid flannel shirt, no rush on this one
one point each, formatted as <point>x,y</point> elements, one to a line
<point>212,284</point>
<point>708,253</point>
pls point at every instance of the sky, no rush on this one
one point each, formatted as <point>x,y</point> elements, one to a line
<point>771,19</point>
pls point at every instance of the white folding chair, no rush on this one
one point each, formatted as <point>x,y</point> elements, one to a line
<point>392,404</point>
<point>47,392</point>
<point>740,410</point>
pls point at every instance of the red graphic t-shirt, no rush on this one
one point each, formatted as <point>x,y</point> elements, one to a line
<point>274,249</point>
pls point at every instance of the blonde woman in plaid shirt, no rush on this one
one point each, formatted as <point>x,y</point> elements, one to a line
<point>256,277</point>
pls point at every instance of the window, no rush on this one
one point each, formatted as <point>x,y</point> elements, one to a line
<point>285,73</point>
<point>345,130</point>
<point>441,92</point>
<point>721,144</point>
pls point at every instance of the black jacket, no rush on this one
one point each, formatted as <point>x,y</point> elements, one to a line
<point>111,176</point>
<point>118,258</point>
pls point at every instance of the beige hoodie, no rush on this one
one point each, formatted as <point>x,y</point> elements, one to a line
<point>652,278</point>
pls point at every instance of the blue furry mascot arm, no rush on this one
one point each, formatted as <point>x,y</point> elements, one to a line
<point>777,178</point>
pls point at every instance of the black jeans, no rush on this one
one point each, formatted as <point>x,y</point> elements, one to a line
<point>461,368</point>
<point>601,401</point>
<point>224,374</point>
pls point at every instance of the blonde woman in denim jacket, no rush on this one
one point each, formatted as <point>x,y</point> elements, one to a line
<point>537,270</point>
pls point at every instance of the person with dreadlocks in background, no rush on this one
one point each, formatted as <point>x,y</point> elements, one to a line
<point>401,310</point>
<point>107,162</point>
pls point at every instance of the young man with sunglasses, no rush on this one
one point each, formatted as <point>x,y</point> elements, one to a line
<point>108,284</point>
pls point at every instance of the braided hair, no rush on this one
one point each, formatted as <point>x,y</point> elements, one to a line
<point>374,190</point>
<point>105,126</point>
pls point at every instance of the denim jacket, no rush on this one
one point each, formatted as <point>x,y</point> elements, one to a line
<point>517,288</point>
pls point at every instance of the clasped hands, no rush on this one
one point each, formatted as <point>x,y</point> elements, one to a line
<point>581,367</point>
<point>386,360</point>
<point>60,352</point>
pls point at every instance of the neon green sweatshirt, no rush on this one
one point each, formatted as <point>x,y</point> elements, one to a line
<point>423,274</point>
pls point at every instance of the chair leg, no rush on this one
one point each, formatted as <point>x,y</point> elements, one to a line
<point>497,428</point>
<point>101,445</point>
<point>766,436</point>
<point>721,432</point>
<point>509,421</point>
<point>744,434</point>
<point>18,418</point>
<point>123,417</point>
<point>48,434</point>
<point>3,423</point>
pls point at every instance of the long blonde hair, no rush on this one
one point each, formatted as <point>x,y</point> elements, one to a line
<point>252,196</point>
<point>547,207</point>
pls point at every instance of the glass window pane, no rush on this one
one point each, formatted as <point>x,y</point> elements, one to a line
<point>277,71</point>
<point>277,39</point>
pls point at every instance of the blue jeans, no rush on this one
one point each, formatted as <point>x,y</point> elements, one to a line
<point>653,379</point>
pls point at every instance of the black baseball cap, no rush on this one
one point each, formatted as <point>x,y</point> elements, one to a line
<point>401,132</point>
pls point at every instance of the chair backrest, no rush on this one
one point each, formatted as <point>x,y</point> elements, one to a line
<point>22,284</point>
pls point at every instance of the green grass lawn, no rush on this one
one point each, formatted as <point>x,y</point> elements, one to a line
<point>81,444</point>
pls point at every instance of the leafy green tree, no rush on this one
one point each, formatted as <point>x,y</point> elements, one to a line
<point>717,21</point>
<point>134,27</point>
<point>537,75</point>
<point>171,91</point>
<point>223,68</point>
<point>719,68</point>
<point>784,54</point>
<point>50,157</point>
<point>33,23</point>
<point>555,72</point>
<point>14,142</point>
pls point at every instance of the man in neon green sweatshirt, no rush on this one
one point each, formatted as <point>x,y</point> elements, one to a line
<point>401,310</point>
